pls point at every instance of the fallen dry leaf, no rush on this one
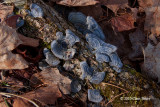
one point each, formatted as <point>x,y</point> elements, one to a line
<point>152,61</point>
<point>5,11</point>
<point>152,20</point>
<point>123,23</point>
<point>145,3</point>
<point>77,2</point>
<point>137,39</point>
<point>152,10</point>
<point>9,40</point>
<point>114,5</point>
<point>43,95</point>
<point>21,103</point>
<point>96,12</point>
<point>51,76</point>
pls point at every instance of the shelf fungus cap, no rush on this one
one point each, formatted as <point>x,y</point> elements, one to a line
<point>94,27</point>
<point>50,58</point>
<point>86,70</point>
<point>78,19</point>
<point>94,96</point>
<point>20,22</point>
<point>102,58</point>
<point>36,11</point>
<point>107,49</point>
<point>59,49</point>
<point>97,77</point>
<point>71,38</point>
<point>93,41</point>
<point>59,36</point>
<point>75,86</point>
<point>115,62</point>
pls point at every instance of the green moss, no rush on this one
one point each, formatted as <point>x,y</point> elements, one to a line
<point>46,45</point>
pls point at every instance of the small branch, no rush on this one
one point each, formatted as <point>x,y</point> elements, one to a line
<point>9,94</point>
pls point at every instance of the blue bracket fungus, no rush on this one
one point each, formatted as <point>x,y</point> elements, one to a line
<point>97,77</point>
<point>20,22</point>
<point>71,38</point>
<point>62,47</point>
<point>102,58</point>
<point>94,95</point>
<point>50,58</point>
<point>95,28</point>
<point>85,24</point>
<point>115,62</point>
<point>36,11</point>
<point>75,86</point>
<point>86,70</point>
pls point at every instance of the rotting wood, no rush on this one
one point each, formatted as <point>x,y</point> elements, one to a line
<point>137,86</point>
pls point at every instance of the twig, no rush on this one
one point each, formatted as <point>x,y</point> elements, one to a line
<point>9,94</point>
<point>114,86</point>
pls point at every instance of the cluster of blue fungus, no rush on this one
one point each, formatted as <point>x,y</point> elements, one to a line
<point>87,72</point>
<point>104,52</point>
<point>86,24</point>
<point>50,58</point>
<point>62,47</point>
<point>75,86</point>
<point>95,37</point>
<point>36,11</point>
<point>94,96</point>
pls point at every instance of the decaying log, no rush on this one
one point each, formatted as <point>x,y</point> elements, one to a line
<point>126,88</point>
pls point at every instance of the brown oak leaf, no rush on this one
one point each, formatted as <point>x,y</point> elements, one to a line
<point>114,5</point>
<point>9,40</point>
<point>123,23</point>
